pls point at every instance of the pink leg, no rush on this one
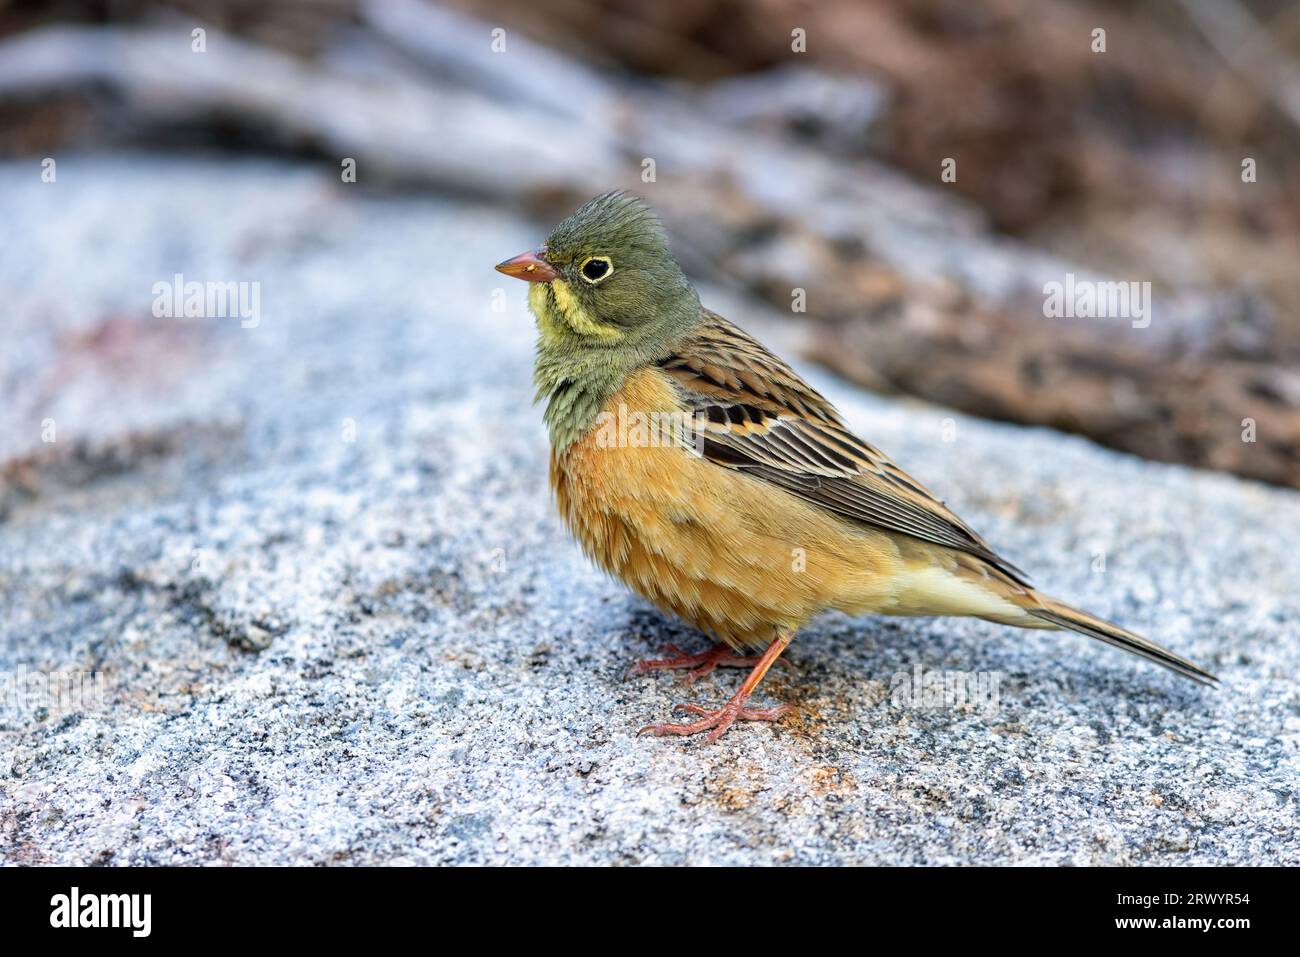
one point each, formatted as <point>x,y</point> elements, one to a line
<point>719,656</point>
<point>716,722</point>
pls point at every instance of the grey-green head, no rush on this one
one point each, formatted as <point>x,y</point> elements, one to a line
<point>609,298</point>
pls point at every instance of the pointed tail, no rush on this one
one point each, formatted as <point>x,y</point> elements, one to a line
<point>1064,616</point>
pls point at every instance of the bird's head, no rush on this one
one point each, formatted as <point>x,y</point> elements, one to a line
<point>604,279</point>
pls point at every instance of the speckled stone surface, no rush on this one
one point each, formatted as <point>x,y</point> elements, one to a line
<point>384,650</point>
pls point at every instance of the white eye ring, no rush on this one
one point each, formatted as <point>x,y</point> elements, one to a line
<point>609,269</point>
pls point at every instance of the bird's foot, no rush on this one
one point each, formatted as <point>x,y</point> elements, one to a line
<point>716,722</point>
<point>719,656</point>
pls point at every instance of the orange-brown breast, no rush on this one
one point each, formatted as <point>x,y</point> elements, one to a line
<point>730,554</point>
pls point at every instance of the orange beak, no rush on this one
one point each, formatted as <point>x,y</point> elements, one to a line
<point>530,267</point>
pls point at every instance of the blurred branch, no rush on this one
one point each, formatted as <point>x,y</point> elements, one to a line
<point>1237,36</point>
<point>401,129</point>
<point>450,43</point>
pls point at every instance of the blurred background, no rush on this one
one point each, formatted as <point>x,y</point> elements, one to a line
<point>797,152</point>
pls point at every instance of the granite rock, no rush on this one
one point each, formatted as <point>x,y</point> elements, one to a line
<point>314,565</point>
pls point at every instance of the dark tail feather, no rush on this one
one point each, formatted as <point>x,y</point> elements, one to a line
<point>1064,616</point>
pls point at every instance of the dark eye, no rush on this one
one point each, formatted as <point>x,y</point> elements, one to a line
<point>596,268</point>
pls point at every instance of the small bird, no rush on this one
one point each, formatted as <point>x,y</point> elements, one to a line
<point>698,468</point>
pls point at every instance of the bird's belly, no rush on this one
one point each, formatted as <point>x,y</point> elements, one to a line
<point>728,553</point>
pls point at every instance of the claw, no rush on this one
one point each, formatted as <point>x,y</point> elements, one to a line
<point>717,721</point>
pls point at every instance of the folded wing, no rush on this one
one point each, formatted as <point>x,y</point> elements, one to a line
<point>761,418</point>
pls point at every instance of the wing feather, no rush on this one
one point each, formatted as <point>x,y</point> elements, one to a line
<point>760,417</point>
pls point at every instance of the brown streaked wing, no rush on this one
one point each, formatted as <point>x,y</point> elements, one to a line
<point>761,418</point>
